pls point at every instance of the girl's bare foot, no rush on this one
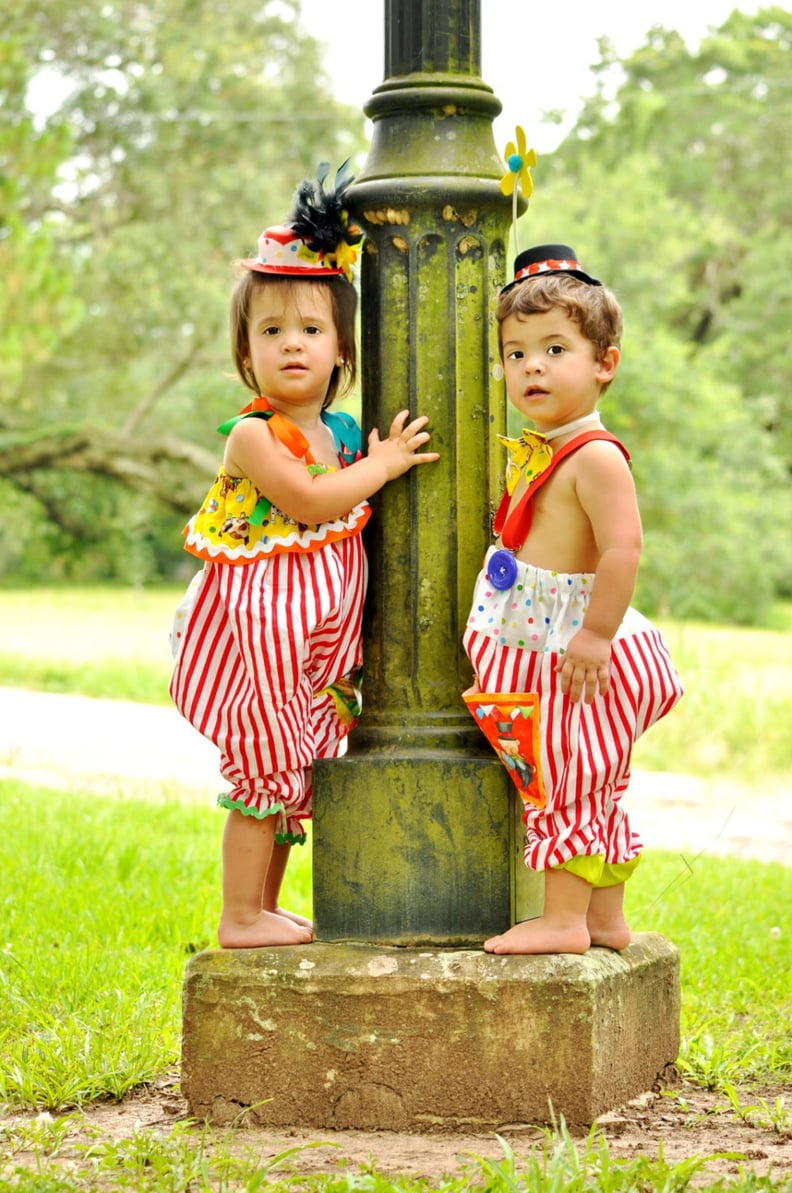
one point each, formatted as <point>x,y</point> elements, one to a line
<point>266,930</point>
<point>541,936</point>
<point>292,915</point>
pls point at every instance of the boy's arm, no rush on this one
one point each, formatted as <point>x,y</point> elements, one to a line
<point>254,452</point>
<point>606,493</point>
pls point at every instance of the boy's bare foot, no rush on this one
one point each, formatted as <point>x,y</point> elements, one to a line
<point>605,919</point>
<point>561,928</point>
<point>617,939</point>
<point>541,936</point>
<point>266,930</point>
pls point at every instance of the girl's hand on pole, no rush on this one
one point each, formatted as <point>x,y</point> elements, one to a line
<point>400,451</point>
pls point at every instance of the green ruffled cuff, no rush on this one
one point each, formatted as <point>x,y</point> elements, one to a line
<point>290,839</point>
<point>224,800</point>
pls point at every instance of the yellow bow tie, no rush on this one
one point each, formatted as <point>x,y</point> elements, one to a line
<point>529,455</point>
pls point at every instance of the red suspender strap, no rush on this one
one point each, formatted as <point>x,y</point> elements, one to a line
<point>513,531</point>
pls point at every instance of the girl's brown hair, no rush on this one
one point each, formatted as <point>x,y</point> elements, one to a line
<point>343,303</point>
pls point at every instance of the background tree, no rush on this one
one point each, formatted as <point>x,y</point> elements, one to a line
<point>176,130</point>
<point>673,187</point>
<point>714,128</point>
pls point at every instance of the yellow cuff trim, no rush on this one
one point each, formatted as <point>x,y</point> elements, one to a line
<point>599,873</point>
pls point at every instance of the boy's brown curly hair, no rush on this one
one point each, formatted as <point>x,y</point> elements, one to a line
<point>594,309</point>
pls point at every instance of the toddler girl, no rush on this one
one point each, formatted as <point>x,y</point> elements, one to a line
<point>268,642</point>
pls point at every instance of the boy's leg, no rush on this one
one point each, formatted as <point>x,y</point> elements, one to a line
<point>561,928</point>
<point>248,846</point>
<point>606,923</point>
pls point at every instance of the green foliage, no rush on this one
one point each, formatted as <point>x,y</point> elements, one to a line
<point>187,1156</point>
<point>563,1164</point>
<point>175,133</point>
<point>37,301</point>
<point>194,1158</point>
<point>760,1112</point>
<point>711,126</point>
<point>708,457</point>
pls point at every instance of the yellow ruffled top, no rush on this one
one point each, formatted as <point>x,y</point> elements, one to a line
<point>238,524</point>
<point>226,527</point>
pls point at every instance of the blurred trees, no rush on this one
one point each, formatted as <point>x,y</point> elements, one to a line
<point>143,146</point>
<point>674,187</point>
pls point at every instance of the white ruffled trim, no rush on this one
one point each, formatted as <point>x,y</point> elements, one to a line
<point>303,540</point>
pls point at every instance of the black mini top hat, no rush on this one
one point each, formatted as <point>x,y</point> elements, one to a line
<point>548,258</point>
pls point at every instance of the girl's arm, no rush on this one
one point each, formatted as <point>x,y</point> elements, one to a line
<point>606,492</point>
<point>254,452</point>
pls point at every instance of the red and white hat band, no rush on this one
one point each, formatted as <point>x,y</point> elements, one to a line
<point>280,250</point>
<point>545,267</point>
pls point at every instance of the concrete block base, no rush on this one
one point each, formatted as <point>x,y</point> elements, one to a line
<point>347,1036</point>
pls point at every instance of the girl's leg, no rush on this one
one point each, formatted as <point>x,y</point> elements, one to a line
<point>561,928</point>
<point>606,923</point>
<point>272,884</point>
<point>248,847</point>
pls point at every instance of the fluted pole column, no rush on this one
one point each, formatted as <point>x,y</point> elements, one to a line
<point>417,837</point>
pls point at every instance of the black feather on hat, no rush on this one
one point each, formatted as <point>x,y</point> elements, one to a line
<point>319,217</point>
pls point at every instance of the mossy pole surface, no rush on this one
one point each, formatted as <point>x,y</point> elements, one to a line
<point>417,833</point>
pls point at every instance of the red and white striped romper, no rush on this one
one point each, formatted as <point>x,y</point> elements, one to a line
<point>268,641</point>
<point>513,639</point>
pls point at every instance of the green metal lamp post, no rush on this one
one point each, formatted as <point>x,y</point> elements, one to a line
<point>417,835</point>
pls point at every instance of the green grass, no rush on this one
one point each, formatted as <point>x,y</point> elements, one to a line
<point>103,642</point>
<point>107,642</point>
<point>735,715</point>
<point>102,901</point>
<point>732,921</point>
<point>187,1158</point>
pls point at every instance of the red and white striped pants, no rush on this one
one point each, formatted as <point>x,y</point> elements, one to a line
<point>585,748</point>
<point>262,646</point>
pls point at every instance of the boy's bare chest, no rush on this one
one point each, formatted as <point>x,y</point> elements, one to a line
<point>560,537</point>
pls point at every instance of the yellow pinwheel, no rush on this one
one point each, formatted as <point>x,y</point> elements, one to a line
<point>518,178</point>
<point>518,158</point>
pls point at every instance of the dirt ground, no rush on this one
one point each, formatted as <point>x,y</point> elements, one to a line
<point>679,1123</point>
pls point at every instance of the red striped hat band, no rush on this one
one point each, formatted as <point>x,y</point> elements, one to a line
<point>545,267</point>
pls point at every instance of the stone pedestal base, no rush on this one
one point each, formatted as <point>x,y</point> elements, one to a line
<point>347,1036</point>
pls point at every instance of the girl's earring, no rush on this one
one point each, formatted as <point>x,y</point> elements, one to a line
<point>340,361</point>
